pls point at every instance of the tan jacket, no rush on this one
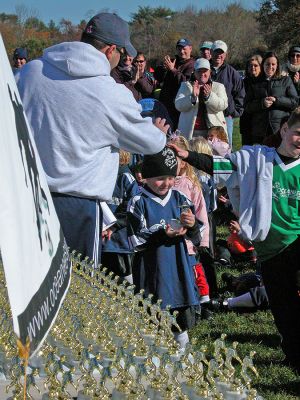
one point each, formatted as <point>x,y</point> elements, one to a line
<point>215,105</point>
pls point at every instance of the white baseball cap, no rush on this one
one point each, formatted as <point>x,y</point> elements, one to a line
<point>219,44</point>
<point>201,63</point>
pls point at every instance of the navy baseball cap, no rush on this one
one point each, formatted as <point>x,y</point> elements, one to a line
<point>183,43</point>
<point>20,53</point>
<point>110,29</point>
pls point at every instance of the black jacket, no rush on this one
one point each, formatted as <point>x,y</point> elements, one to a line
<point>234,86</point>
<point>246,118</point>
<point>267,120</point>
<point>171,82</point>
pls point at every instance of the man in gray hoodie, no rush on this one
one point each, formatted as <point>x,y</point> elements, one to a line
<point>80,118</point>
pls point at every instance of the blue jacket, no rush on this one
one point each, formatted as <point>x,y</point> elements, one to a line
<point>234,86</point>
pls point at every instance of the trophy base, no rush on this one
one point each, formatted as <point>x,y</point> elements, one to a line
<point>229,395</point>
<point>82,396</point>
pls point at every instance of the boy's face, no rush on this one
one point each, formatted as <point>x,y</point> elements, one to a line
<point>290,145</point>
<point>160,184</point>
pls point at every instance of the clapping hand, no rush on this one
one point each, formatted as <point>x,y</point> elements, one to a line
<point>206,90</point>
<point>196,89</point>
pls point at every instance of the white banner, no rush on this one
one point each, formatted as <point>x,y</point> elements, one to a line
<point>35,256</point>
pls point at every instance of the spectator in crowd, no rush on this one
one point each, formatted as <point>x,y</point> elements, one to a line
<point>205,50</point>
<point>201,102</point>
<point>173,72</point>
<point>145,82</point>
<point>131,73</point>
<point>292,66</point>
<point>252,74</point>
<point>19,58</point>
<point>80,118</point>
<point>231,79</point>
<point>270,99</point>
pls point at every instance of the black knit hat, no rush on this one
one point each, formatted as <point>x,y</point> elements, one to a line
<point>294,49</point>
<point>163,163</point>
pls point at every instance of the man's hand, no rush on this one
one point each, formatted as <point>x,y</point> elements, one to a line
<point>296,77</point>
<point>187,218</point>
<point>179,152</point>
<point>206,90</point>
<point>168,63</point>
<point>160,123</point>
<point>196,89</point>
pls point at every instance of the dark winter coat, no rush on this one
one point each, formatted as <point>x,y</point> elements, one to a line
<point>171,82</point>
<point>234,86</point>
<point>246,118</point>
<point>265,120</point>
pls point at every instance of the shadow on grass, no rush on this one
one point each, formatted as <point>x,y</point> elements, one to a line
<point>290,387</point>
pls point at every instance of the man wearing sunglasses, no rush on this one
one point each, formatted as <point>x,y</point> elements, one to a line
<point>80,118</point>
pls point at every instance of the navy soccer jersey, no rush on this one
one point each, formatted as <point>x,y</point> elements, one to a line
<point>161,264</point>
<point>125,188</point>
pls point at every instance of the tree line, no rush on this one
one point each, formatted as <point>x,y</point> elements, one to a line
<point>155,31</point>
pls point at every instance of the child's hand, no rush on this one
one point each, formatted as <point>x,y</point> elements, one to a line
<point>106,235</point>
<point>223,199</point>
<point>187,218</point>
<point>234,227</point>
<point>174,233</point>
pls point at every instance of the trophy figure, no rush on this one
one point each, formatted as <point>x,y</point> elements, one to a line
<point>219,346</point>
<point>248,364</point>
<point>231,354</point>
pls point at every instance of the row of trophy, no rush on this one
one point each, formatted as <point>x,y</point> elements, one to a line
<point>108,342</point>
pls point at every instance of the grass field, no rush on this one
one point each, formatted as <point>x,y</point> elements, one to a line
<point>254,331</point>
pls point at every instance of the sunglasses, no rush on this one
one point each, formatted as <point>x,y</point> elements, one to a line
<point>297,55</point>
<point>121,50</point>
<point>140,61</point>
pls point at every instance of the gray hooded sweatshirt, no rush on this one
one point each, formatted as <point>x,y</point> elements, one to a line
<point>80,117</point>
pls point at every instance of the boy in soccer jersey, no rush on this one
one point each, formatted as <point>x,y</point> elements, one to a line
<point>264,188</point>
<point>160,218</point>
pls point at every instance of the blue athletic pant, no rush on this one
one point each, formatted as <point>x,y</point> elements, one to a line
<point>81,222</point>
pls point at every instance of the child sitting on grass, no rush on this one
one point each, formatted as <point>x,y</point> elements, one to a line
<point>162,265</point>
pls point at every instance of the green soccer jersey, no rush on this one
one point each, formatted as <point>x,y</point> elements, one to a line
<point>285,220</point>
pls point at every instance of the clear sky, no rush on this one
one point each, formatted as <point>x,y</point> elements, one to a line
<point>76,10</point>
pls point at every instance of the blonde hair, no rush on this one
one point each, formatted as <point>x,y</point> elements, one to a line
<point>181,142</point>
<point>220,132</point>
<point>200,145</point>
<point>124,157</point>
